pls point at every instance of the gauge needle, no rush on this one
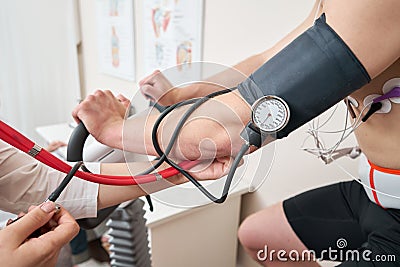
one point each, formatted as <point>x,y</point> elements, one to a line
<point>269,115</point>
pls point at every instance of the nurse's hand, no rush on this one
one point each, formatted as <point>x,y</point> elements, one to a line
<point>103,115</point>
<point>157,88</point>
<point>17,250</point>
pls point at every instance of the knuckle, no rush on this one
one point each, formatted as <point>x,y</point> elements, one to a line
<point>52,243</point>
<point>84,108</point>
<point>108,92</point>
<point>98,93</point>
<point>75,228</point>
<point>89,98</point>
<point>36,218</point>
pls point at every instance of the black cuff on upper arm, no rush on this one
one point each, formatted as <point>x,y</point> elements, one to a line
<point>312,73</point>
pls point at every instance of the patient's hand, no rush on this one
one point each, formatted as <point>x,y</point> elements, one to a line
<point>103,115</point>
<point>156,87</point>
<point>215,169</point>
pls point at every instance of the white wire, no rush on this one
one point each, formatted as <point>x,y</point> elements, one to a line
<point>312,123</point>
<point>332,149</point>
<point>320,150</point>
<point>311,126</point>
<point>329,118</point>
<point>346,128</point>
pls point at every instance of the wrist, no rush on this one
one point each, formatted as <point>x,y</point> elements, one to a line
<point>176,94</point>
<point>176,179</point>
<point>170,97</point>
<point>189,92</point>
<point>112,137</point>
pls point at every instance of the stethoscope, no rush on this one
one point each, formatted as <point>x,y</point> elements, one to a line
<point>21,142</point>
<point>269,115</point>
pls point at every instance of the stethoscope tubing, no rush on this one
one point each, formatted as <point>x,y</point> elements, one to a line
<point>21,142</point>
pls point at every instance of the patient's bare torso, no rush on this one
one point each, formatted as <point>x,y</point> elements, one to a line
<point>379,136</point>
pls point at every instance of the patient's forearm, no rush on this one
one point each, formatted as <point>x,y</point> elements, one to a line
<point>112,195</point>
<point>212,131</point>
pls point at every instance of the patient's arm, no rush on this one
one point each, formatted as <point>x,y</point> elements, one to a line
<point>351,21</point>
<point>112,195</point>
<point>103,114</point>
<point>215,126</point>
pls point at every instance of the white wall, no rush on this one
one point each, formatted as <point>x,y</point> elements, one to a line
<point>233,30</point>
<point>39,78</point>
<point>93,79</point>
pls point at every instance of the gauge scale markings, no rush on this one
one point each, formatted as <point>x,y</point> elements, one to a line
<point>270,113</point>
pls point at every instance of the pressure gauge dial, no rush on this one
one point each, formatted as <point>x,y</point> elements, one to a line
<point>270,114</point>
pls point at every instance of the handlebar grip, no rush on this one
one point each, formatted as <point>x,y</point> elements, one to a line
<point>76,143</point>
<point>75,153</point>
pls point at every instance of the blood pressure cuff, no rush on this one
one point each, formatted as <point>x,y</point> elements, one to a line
<point>311,74</point>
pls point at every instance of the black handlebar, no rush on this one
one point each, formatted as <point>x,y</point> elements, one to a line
<point>76,143</point>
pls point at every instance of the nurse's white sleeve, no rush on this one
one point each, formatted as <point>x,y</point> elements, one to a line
<point>25,181</point>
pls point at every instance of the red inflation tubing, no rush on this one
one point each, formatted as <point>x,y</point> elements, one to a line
<point>21,142</point>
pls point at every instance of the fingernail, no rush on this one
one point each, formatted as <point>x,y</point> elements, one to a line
<point>48,206</point>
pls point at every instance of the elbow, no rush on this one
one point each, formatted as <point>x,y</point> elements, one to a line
<point>199,146</point>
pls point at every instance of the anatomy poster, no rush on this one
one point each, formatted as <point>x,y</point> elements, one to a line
<point>172,34</point>
<point>115,38</point>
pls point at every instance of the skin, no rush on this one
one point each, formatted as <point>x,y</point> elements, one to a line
<point>57,230</point>
<point>53,146</point>
<point>379,57</point>
<point>370,134</point>
<point>109,131</point>
<point>17,250</point>
<point>107,197</point>
<point>107,194</point>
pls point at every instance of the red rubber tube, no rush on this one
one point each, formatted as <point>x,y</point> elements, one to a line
<point>21,142</point>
